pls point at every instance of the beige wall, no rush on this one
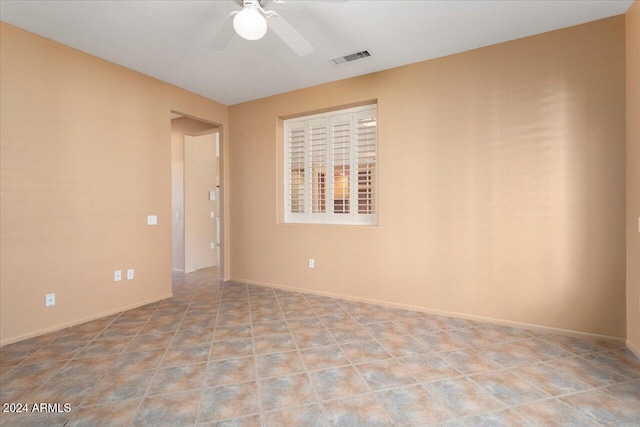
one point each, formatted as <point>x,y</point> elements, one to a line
<point>502,186</point>
<point>633,176</point>
<point>179,128</point>
<point>85,157</point>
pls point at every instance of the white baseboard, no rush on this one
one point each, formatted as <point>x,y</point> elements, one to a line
<point>80,321</point>
<point>503,322</point>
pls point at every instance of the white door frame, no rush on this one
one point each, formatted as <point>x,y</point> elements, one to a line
<point>223,198</point>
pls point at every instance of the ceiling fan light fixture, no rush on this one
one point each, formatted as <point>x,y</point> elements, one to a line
<point>250,24</point>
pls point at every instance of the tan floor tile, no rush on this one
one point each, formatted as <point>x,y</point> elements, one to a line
<point>384,330</point>
<point>469,361</point>
<point>138,361</point>
<point>549,379</point>
<point>231,371</point>
<point>171,409</point>
<point>177,378</point>
<point>103,347</point>
<point>305,324</point>
<point>266,315</point>
<point>356,411</point>
<point>507,354</point>
<point>429,367</point>
<point>278,364</point>
<point>109,415</point>
<point>197,322</point>
<point>192,337</point>
<point>404,345</point>
<point>231,349</point>
<point>338,382</point>
<point>595,375</point>
<point>94,367</point>
<point>72,391</point>
<point>540,350</point>
<point>232,332</point>
<point>150,342</point>
<point>55,352</point>
<point>413,406</point>
<point>501,418</point>
<point>307,416</point>
<point>270,328</point>
<point>605,409</point>
<point>509,388</point>
<point>309,346</point>
<point>315,338</point>
<point>385,374</point>
<point>286,391</point>
<point>186,355</point>
<point>338,321</point>
<point>365,351</point>
<point>27,376</point>
<point>350,334</point>
<point>440,341</point>
<point>552,413</point>
<point>121,330</point>
<point>229,401</point>
<point>121,386</point>
<point>323,357</point>
<point>274,343</point>
<point>159,326</point>
<point>463,397</point>
<point>248,421</point>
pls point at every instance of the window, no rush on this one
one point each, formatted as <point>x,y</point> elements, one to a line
<point>331,167</point>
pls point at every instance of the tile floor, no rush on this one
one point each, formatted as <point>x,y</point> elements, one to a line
<point>241,355</point>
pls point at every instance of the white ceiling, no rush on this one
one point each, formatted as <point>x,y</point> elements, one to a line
<point>169,39</point>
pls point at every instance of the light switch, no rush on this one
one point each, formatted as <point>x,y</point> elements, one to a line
<point>50,300</point>
<point>212,195</point>
<point>212,215</point>
<point>152,220</point>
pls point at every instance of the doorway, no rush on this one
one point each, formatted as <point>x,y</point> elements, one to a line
<point>196,195</point>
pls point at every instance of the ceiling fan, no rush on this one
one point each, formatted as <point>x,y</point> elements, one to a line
<point>251,23</point>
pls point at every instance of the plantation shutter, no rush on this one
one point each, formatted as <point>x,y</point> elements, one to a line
<point>366,160</point>
<point>331,168</point>
<point>295,197</point>
<point>318,165</point>
<point>341,161</point>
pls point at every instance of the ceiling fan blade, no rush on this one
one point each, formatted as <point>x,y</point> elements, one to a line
<point>224,35</point>
<point>289,35</point>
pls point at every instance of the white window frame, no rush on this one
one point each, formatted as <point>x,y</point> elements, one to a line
<point>329,216</point>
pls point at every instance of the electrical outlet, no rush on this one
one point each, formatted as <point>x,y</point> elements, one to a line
<point>312,263</point>
<point>50,300</point>
<point>130,274</point>
<point>117,275</point>
<point>213,245</point>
